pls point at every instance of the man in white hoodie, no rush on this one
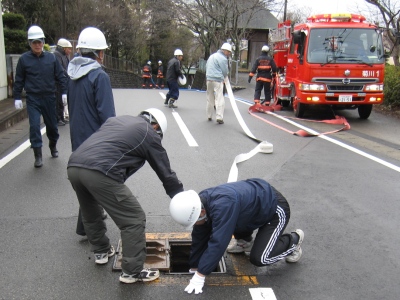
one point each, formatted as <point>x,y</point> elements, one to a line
<point>91,101</point>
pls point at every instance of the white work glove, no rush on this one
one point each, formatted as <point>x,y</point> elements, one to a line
<point>196,284</point>
<point>192,271</point>
<point>18,104</point>
<point>66,113</point>
<point>64,99</point>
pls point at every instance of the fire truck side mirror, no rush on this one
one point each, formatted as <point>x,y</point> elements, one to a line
<point>297,37</point>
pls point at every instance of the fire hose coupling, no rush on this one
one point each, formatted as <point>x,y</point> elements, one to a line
<point>266,147</point>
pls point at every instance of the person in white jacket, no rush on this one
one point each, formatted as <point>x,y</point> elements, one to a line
<point>216,70</point>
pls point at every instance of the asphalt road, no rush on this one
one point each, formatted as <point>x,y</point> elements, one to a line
<point>343,190</point>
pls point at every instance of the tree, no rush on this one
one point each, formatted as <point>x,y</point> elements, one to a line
<point>15,36</point>
<point>390,13</point>
<point>216,21</point>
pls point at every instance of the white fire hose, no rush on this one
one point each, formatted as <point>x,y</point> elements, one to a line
<point>263,146</point>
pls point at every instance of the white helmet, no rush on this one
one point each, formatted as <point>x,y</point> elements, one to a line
<point>35,33</point>
<point>154,115</point>
<point>149,62</point>
<point>185,208</point>
<point>182,81</point>
<point>226,46</point>
<point>265,49</point>
<point>178,52</point>
<point>92,38</point>
<point>160,62</point>
<point>64,43</point>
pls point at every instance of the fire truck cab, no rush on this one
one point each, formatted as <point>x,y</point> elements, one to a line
<point>332,59</point>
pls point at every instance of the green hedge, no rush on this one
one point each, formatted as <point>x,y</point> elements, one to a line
<point>14,21</point>
<point>15,38</point>
<point>15,41</point>
<point>392,86</point>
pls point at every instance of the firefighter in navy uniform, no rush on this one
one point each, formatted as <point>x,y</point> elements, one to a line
<point>265,68</point>
<point>146,75</point>
<point>160,75</point>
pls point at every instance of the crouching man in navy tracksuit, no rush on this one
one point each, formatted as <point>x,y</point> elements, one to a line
<point>237,208</point>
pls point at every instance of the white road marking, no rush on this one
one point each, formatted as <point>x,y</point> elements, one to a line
<point>185,131</point>
<point>262,294</point>
<point>5,160</point>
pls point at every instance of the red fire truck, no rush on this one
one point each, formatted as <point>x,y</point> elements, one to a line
<point>332,59</point>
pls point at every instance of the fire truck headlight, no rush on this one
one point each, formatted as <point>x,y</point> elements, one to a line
<point>311,87</point>
<point>374,87</point>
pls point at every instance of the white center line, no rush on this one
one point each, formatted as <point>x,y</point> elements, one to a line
<point>185,131</point>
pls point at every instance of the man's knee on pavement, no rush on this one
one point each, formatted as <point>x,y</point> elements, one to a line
<point>256,260</point>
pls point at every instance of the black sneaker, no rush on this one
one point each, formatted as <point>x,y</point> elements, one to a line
<point>145,275</point>
<point>171,103</point>
<point>220,121</point>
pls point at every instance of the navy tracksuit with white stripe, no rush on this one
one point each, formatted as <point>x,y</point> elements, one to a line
<point>239,208</point>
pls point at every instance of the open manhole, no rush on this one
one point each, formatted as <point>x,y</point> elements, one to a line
<point>179,258</point>
<point>171,256</point>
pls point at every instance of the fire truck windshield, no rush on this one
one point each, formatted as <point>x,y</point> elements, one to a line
<point>345,46</point>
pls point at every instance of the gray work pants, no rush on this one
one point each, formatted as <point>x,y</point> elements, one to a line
<point>93,188</point>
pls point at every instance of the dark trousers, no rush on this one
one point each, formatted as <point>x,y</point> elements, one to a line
<point>160,82</point>
<point>59,106</point>
<point>37,106</point>
<point>260,85</point>
<point>270,244</point>
<point>93,188</point>
<point>147,82</point>
<point>173,90</point>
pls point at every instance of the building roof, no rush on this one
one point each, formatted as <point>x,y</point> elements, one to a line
<point>262,19</point>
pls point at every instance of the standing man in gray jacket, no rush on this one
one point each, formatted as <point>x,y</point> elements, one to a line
<point>217,69</point>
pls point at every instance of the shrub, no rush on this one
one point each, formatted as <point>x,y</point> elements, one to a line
<point>14,21</point>
<point>392,86</point>
<point>15,41</point>
<point>15,37</point>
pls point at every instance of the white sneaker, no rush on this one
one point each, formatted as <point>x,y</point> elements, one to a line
<point>144,275</point>
<point>296,254</point>
<point>240,246</point>
<point>102,258</point>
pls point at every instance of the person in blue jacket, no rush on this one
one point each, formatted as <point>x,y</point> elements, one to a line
<point>38,72</point>
<point>91,100</point>
<point>236,208</point>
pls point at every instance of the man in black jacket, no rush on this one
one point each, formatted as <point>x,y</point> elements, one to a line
<point>97,171</point>
<point>265,68</point>
<point>173,72</point>
<point>62,53</point>
<point>38,72</point>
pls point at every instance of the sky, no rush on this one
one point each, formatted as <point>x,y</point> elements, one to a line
<point>331,6</point>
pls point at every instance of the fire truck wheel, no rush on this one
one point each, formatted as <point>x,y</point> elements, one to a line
<point>299,109</point>
<point>364,111</point>
<point>285,103</point>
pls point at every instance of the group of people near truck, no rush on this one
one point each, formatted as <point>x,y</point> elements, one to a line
<point>107,149</point>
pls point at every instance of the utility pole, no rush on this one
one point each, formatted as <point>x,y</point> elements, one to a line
<point>284,11</point>
<point>63,31</point>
